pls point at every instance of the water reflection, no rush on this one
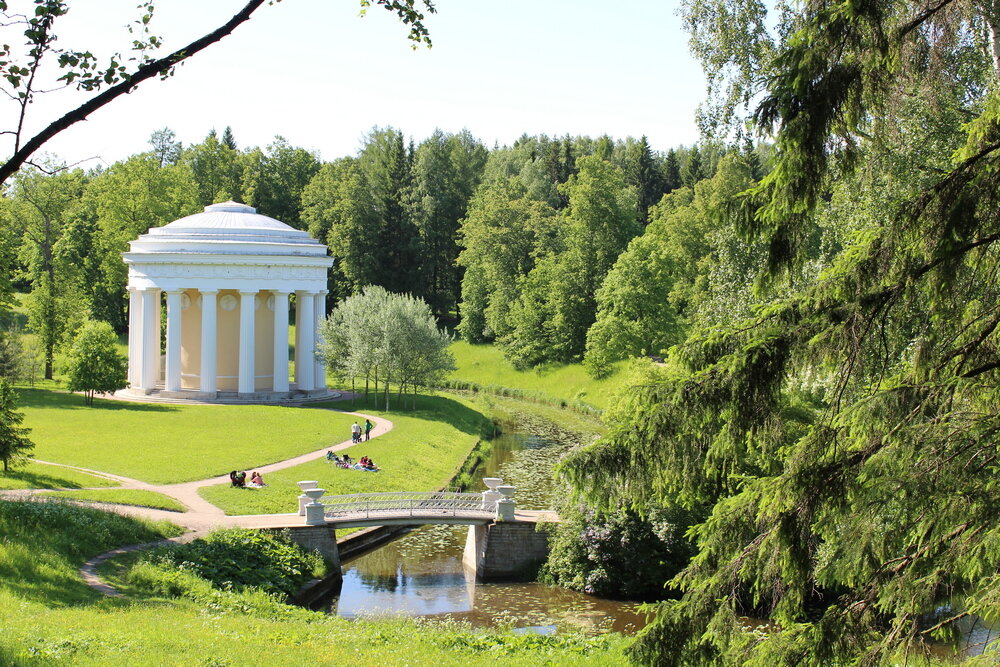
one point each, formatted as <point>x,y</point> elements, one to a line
<point>421,574</point>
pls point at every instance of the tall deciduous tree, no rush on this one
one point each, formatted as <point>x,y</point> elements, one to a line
<point>273,181</point>
<point>40,209</point>
<point>599,223</point>
<point>129,199</point>
<point>503,234</point>
<point>337,209</point>
<point>446,170</point>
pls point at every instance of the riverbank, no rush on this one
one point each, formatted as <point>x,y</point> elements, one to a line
<point>72,624</point>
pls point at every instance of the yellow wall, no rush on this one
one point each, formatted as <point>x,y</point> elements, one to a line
<point>191,342</point>
<point>227,343</point>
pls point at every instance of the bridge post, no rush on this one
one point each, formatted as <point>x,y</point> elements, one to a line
<point>505,506</point>
<point>303,498</point>
<point>314,510</point>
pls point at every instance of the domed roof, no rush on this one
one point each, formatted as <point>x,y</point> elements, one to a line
<point>228,215</point>
<point>229,228</point>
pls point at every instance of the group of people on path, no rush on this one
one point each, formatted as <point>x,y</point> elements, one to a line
<point>356,431</point>
<point>239,479</point>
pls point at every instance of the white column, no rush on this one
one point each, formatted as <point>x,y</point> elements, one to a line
<point>159,330</point>
<point>247,385</point>
<point>296,354</point>
<point>305,366</point>
<point>150,340</point>
<point>173,381</point>
<point>134,337</point>
<point>209,340</point>
<point>320,313</point>
<point>280,341</point>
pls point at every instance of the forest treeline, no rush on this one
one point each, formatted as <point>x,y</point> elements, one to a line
<point>513,244</point>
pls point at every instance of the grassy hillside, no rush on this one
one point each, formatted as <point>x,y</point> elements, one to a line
<point>172,443</point>
<point>485,365</point>
<point>423,451</point>
<point>70,624</point>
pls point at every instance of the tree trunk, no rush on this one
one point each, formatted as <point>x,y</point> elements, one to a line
<point>991,13</point>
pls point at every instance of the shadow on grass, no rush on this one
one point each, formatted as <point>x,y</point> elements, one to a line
<point>37,481</point>
<point>48,398</point>
<point>432,408</point>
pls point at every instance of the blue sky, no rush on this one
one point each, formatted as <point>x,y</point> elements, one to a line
<point>317,74</point>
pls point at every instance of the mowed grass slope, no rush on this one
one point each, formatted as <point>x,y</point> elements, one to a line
<point>423,451</point>
<point>49,617</point>
<point>137,497</point>
<point>486,366</point>
<point>164,444</point>
<point>42,476</point>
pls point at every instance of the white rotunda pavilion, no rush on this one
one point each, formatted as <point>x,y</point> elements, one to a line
<point>228,275</point>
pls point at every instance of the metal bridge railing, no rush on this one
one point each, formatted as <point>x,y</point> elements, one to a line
<point>403,503</point>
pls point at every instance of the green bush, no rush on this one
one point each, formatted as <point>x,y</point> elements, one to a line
<point>618,554</point>
<point>238,559</point>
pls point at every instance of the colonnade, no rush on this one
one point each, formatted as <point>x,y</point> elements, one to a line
<point>144,339</point>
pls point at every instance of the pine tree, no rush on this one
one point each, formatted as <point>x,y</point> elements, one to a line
<point>228,139</point>
<point>693,170</point>
<point>671,169</point>
<point>641,174</point>
<point>14,442</point>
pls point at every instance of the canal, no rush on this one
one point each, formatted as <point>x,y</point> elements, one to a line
<point>421,573</point>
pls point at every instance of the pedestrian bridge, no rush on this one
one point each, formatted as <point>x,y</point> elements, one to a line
<point>502,542</point>
<point>404,508</point>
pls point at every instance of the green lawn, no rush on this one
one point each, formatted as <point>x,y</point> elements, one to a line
<point>163,444</point>
<point>41,476</point>
<point>49,617</point>
<point>138,497</point>
<point>485,365</point>
<point>423,451</point>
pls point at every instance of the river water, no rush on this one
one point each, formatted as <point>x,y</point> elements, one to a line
<point>421,574</point>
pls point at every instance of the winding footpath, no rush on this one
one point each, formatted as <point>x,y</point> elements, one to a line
<point>201,516</point>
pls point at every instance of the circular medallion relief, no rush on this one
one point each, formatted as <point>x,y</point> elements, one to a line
<point>185,301</point>
<point>228,302</point>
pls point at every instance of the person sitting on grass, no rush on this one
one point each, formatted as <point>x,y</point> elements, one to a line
<point>256,480</point>
<point>232,477</point>
<point>330,456</point>
<point>241,478</point>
